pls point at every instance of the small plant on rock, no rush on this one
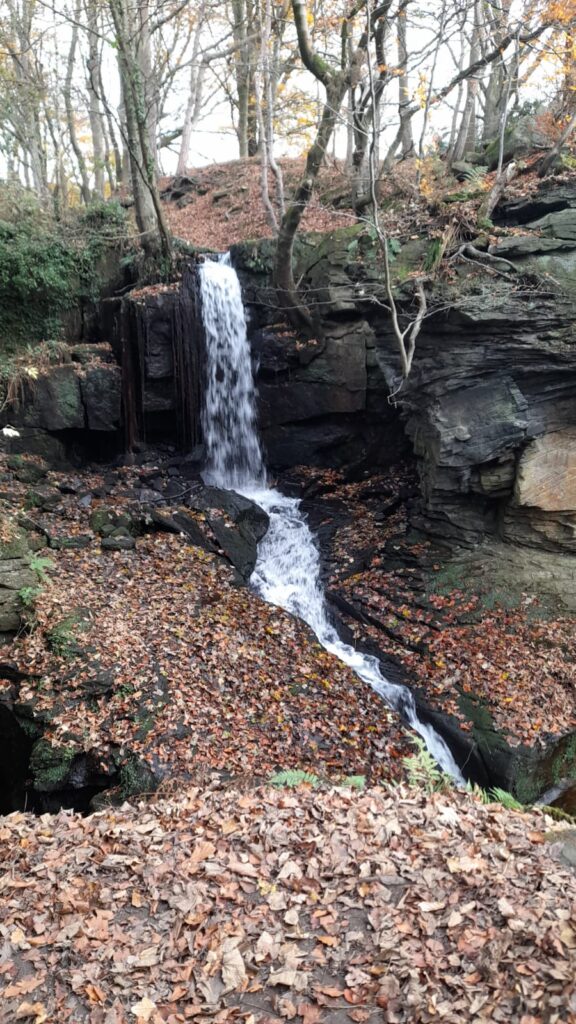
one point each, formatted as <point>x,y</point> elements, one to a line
<point>423,771</point>
<point>293,777</point>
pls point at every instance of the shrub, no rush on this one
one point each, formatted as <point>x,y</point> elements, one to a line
<point>47,267</point>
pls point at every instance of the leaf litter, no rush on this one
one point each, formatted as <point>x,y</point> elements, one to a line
<point>386,905</point>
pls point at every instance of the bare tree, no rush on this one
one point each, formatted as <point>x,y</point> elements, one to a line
<point>140,129</point>
<point>70,106</point>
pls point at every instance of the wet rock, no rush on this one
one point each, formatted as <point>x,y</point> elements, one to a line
<point>239,531</point>
<point>101,395</point>
<point>175,488</point>
<point>118,543</point>
<point>74,543</point>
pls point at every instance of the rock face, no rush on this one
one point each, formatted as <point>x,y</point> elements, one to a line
<point>16,576</point>
<point>490,407</point>
<point>83,394</point>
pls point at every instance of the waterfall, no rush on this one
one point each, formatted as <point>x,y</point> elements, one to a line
<point>234,457</point>
<point>287,571</point>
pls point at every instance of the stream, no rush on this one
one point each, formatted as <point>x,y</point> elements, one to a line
<point>287,571</point>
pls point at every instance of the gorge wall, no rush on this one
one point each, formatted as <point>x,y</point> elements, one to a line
<point>489,411</point>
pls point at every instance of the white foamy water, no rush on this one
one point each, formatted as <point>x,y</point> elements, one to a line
<point>234,456</point>
<point>287,572</point>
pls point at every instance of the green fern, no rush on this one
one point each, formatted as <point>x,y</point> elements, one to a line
<point>475,174</point>
<point>501,796</point>
<point>28,597</point>
<point>354,781</point>
<point>40,566</point>
<point>495,796</point>
<point>422,770</point>
<point>293,777</point>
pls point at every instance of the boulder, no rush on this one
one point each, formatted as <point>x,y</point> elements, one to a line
<point>546,475</point>
<point>520,139</point>
<point>238,530</point>
<point>54,401</point>
<point>101,390</point>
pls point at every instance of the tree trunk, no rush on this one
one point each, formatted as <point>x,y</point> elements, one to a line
<point>97,127</point>
<point>283,267</point>
<point>70,112</point>
<point>193,103</point>
<point>467,132</point>
<point>406,138</point>
<point>148,208</point>
<point>243,28</point>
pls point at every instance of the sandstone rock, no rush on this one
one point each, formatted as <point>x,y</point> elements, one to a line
<point>546,475</point>
<point>520,140</point>
<point>558,224</point>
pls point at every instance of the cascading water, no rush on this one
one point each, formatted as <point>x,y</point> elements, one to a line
<point>287,571</point>
<point>234,457</point>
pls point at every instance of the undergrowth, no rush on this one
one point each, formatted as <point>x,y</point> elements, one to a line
<point>46,266</point>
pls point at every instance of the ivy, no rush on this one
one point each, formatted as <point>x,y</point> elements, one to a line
<point>47,268</point>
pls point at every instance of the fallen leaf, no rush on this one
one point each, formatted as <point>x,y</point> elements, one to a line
<point>144,1009</point>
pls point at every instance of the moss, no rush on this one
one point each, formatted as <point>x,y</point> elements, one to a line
<point>62,638</point>
<point>534,773</point>
<point>50,766</point>
<point>100,519</point>
<point>16,547</point>
<point>136,777</point>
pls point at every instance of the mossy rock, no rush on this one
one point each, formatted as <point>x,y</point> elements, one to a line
<point>102,519</point>
<point>534,772</point>
<point>50,766</point>
<point>44,498</point>
<point>16,547</point>
<point>24,470</point>
<point>62,638</point>
<point>74,543</point>
<point>136,777</point>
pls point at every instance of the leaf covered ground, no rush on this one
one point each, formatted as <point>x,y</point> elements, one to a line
<point>223,204</point>
<point>452,641</point>
<point>268,906</point>
<point>160,653</point>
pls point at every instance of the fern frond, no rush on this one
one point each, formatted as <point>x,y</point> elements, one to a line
<point>422,770</point>
<point>506,799</point>
<point>354,781</point>
<point>293,777</point>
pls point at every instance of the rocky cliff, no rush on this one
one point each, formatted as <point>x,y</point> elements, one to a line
<point>488,411</point>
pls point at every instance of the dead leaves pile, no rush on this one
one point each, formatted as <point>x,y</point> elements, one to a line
<point>228,207</point>
<point>270,906</point>
<point>202,674</point>
<point>506,658</point>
